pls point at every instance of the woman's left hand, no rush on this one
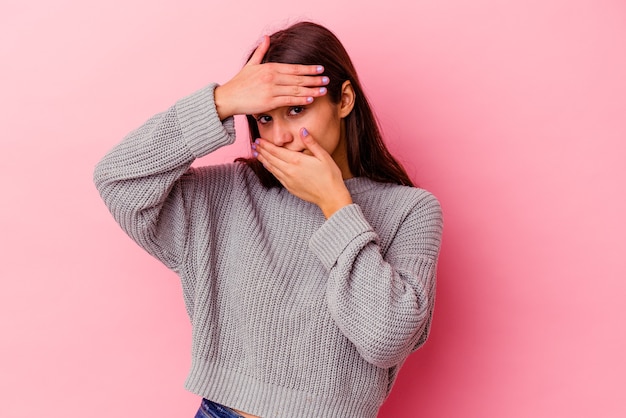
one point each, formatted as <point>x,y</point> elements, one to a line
<point>315,178</point>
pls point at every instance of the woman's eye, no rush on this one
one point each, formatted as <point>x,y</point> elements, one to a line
<point>263,119</point>
<point>295,110</point>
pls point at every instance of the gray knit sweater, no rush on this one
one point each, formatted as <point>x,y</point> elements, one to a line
<point>292,315</point>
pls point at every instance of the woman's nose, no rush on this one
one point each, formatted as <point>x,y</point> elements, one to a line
<point>282,135</point>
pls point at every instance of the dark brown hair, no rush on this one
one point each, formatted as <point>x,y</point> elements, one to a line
<point>311,44</point>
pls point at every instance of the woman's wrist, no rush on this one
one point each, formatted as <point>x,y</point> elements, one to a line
<point>330,207</point>
<point>221,104</point>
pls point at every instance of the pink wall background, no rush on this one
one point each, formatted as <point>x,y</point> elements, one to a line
<point>512,112</point>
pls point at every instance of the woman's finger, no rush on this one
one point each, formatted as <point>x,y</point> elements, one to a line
<point>297,69</point>
<point>281,79</point>
<point>312,145</point>
<point>275,156</point>
<point>298,91</point>
<point>269,162</point>
<point>259,52</point>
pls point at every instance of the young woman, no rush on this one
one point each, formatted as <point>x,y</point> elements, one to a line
<point>308,270</point>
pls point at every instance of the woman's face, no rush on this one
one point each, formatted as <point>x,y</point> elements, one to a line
<point>322,118</point>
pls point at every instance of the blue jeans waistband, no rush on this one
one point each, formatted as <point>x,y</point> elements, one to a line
<point>210,409</point>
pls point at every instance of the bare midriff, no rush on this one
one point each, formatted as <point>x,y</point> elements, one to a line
<point>244,415</point>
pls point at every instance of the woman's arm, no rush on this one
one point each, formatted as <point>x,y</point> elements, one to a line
<point>383,305</point>
<point>145,179</point>
<point>141,179</point>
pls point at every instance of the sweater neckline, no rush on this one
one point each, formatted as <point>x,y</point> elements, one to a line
<point>359,184</point>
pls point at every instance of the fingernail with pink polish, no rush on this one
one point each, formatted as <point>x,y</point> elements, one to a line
<point>305,132</point>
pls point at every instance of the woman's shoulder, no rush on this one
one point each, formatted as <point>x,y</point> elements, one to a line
<point>393,204</point>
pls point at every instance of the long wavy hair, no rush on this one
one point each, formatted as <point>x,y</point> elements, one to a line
<point>312,44</point>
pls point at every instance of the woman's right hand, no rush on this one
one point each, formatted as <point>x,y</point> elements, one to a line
<point>259,88</point>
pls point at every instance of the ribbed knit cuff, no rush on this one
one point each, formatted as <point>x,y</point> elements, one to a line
<point>202,129</point>
<point>338,232</point>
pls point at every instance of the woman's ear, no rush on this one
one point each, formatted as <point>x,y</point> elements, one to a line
<point>347,99</point>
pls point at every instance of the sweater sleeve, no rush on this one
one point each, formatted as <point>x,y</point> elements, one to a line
<point>382,304</point>
<point>142,179</point>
